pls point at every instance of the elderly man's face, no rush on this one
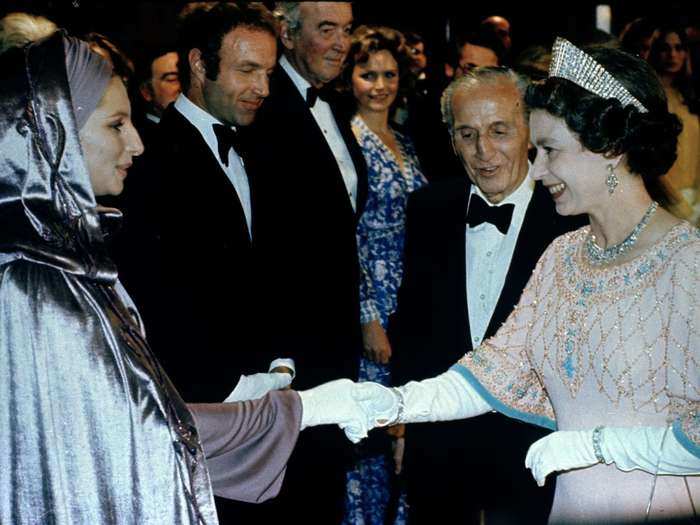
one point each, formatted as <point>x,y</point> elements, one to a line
<point>318,49</point>
<point>491,137</point>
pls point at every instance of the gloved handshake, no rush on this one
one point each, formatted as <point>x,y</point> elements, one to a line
<point>360,407</point>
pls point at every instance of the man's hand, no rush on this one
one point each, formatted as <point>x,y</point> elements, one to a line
<point>375,342</point>
<point>257,385</point>
<point>355,407</point>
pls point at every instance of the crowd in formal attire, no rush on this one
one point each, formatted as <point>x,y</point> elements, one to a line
<point>322,232</point>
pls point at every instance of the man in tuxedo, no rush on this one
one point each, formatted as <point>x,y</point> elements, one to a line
<point>471,246</point>
<point>311,186</point>
<point>194,228</point>
<point>158,87</point>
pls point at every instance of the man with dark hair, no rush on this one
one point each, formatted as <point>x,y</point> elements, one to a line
<point>471,245</point>
<point>197,218</point>
<point>311,186</point>
<point>197,280</point>
<point>158,86</point>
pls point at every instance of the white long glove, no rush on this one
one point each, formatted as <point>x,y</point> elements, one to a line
<point>442,398</point>
<point>629,448</point>
<point>346,404</point>
<point>256,386</point>
<point>561,450</point>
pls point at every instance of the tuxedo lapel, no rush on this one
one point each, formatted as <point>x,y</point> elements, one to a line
<point>190,150</point>
<point>457,280</point>
<point>290,102</point>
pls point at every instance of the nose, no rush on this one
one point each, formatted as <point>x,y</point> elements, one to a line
<point>380,83</point>
<point>134,144</point>
<point>262,85</point>
<point>342,41</point>
<point>484,147</point>
<point>539,168</point>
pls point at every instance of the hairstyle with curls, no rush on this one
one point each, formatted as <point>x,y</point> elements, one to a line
<point>367,40</point>
<point>647,140</point>
<point>683,81</point>
<point>203,26</point>
<point>475,78</point>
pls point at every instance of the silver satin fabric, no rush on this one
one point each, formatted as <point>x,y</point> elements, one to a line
<point>91,430</point>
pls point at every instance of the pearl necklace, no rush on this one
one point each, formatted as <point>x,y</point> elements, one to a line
<point>598,256</point>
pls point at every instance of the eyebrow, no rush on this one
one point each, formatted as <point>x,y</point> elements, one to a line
<point>119,114</point>
<point>323,23</point>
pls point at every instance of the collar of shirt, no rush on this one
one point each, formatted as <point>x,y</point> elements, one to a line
<point>153,118</point>
<point>204,122</point>
<point>520,198</point>
<point>235,171</point>
<point>300,82</point>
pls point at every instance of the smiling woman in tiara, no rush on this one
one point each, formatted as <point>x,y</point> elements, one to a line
<point>604,344</point>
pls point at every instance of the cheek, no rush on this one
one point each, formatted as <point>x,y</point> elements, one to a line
<point>360,87</point>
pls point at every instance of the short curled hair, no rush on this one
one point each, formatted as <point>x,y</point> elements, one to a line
<point>605,126</point>
<point>203,26</point>
<point>367,40</point>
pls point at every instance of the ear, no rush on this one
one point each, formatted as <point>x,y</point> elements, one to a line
<point>197,69</point>
<point>146,91</point>
<point>285,35</point>
<point>449,71</point>
<point>615,161</point>
<point>452,143</point>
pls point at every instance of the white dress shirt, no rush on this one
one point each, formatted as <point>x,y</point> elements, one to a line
<point>488,257</point>
<point>235,171</point>
<point>323,115</point>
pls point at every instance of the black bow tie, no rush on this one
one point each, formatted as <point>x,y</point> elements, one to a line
<point>314,93</point>
<point>228,138</point>
<point>499,216</point>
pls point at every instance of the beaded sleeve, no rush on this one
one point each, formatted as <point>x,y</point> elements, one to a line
<point>684,387</point>
<point>501,368</point>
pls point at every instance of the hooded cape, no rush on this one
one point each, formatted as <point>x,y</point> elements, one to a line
<point>91,429</point>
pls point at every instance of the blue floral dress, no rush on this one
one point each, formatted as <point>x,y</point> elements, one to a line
<point>380,240</point>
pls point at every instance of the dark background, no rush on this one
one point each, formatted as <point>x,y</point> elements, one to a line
<point>136,25</point>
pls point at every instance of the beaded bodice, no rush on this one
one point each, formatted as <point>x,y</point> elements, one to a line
<point>624,340</point>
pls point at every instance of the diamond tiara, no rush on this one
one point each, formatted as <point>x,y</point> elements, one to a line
<point>569,62</point>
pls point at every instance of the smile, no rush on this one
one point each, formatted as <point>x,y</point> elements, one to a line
<point>556,189</point>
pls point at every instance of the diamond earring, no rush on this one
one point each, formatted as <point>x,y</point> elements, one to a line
<point>611,181</point>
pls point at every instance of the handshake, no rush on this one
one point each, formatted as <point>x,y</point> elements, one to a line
<point>356,408</point>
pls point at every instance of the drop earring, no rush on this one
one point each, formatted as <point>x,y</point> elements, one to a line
<point>611,181</point>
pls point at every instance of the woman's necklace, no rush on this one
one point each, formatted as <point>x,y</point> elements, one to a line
<point>598,256</point>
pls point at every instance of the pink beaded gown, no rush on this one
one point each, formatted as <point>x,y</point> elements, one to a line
<point>617,346</point>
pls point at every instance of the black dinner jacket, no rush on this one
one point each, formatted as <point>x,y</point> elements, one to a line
<point>430,329</point>
<point>196,265</point>
<point>305,234</point>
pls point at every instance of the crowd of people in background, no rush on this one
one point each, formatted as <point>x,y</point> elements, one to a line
<point>323,201</point>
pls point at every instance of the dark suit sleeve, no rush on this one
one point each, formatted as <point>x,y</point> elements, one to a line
<point>406,319</point>
<point>248,444</point>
